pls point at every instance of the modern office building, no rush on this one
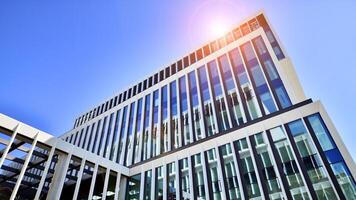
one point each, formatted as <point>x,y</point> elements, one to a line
<point>227,121</point>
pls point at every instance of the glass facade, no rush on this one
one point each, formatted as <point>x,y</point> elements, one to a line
<point>230,89</point>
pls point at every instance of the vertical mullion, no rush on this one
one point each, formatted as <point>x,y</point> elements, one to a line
<point>124,144</point>
<point>208,186</point>
<point>247,68</point>
<point>79,179</point>
<point>205,176</point>
<point>190,109</point>
<point>278,163</point>
<point>118,137</point>
<point>324,159</point>
<point>239,89</point>
<point>106,183</point>
<point>93,180</point>
<point>266,76</point>
<point>130,154</point>
<point>201,104</point>
<point>221,172</point>
<point>112,132</point>
<point>142,185</point>
<point>140,144</point>
<point>169,126</point>
<point>222,84</point>
<point>237,159</point>
<point>190,172</point>
<point>301,163</point>
<point>259,166</point>
<point>178,179</point>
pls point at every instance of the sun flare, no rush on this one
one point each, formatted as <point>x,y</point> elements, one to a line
<point>218,28</point>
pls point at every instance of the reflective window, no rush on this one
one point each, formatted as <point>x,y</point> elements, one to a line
<point>145,152</point>
<point>184,174</point>
<point>133,187</point>
<point>230,172</point>
<point>197,122</point>
<point>269,177</point>
<point>272,73</point>
<point>159,183</point>
<point>207,104</point>
<point>164,126</point>
<point>221,110</point>
<point>289,165</point>
<point>174,113</point>
<point>155,129</point>
<point>184,111</point>
<point>234,100</point>
<point>198,177</point>
<point>316,170</point>
<point>337,163</point>
<point>148,183</point>
<point>138,131</point>
<point>172,184</point>
<point>122,134</point>
<point>114,141</point>
<point>109,132</point>
<point>215,182</point>
<point>246,86</point>
<point>248,169</point>
<point>130,136</point>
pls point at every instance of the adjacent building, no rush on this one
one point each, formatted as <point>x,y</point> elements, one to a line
<point>227,121</point>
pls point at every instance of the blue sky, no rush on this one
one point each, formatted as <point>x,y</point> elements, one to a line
<point>60,58</point>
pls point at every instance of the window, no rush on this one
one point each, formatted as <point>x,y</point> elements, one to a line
<point>206,50</point>
<point>192,58</point>
<point>199,54</point>
<point>186,62</point>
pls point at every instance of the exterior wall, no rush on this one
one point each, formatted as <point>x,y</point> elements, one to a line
<point>238,127</point>
<point>283,67</point>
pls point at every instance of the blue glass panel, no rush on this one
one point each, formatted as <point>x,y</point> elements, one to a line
<point>297,128</point>
<point>215,78</point>
<point>204,84</point>
<point>193,89</point>
<point>183,94</point>
<point>174,110</point>
<point>333,156</point>
<point>147,110</point>
<point>164,103</point>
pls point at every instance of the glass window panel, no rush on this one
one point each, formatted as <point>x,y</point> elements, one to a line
<point>133,187</point>
<point>315,169</point>
<point>289,166</point>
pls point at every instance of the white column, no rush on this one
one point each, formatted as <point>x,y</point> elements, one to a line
<point>93,180</point>
<point>8,147</point>
<point>79,179</point>
<point>106,183</point>
<point>59,177</point>
<point>117,186</point>
<point>153,184</point>
<point>165,177</point>
<point>142,185</point>
<point>24,168</point>
<point>44,174</point>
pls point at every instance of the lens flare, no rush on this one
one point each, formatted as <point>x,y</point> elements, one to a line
<point>218,28</point>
